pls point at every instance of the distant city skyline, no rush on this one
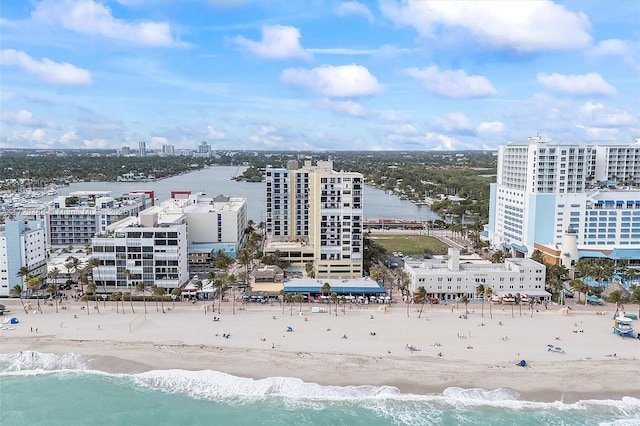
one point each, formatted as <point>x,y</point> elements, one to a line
<point>317,75</point>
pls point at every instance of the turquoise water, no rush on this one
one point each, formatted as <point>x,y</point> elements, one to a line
<point>45,389</point>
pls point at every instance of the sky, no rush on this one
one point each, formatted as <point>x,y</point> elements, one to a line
<point>317,74</point>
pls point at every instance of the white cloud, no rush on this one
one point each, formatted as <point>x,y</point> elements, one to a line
<point>46,69</point>
<point>490,127</point>
<point>266,138</point>
<point>354,8</point>
<point>627,50</point>
<point>452,84</point>
<point>278,42</point>
<point>351,108</point>
<point>214,134</point>
<point>92,18</point>
<point>22,117</point>
<point>523,26</point>
<point>581,85</point>
<point>334,81</point>
<point>452,122</point>
<point>443,142</point>
<point>598,115</point>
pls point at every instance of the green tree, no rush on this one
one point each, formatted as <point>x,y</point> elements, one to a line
<point>326,288</point>
<point>421,297</point>
<point>130,297</point>
<point>92,289</point>
<point>33,284</point>
<point>199,285</point>
<point>480,291</point>
<point>310,269</point>
<point>53,274</point>
<point>24,274</point>
<point>74,264</point>
<point>115,297</point>
<point>159,292</point>
<point>16,291</point>
<point>52,290</point>
<point>465,300</point>
<point>127,276</point>
<point>175,293</point>
<point>299,298</point>
<point>333,298</point>
<point>635,298</point>
<point>142,288</point>
<point>488,292</point>
<point>93,264</point>
<point>245,258</point>
<point>289,298</point>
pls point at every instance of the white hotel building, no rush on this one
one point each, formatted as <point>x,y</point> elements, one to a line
<point>545,189</point>
<point>315,214</point>
<point>452,278</point>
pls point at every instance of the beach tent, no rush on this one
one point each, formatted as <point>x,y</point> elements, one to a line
<point>522,363</point>
<point>14,320</point>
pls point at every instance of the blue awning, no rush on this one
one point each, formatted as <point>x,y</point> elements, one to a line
<point>599,202</point>
<point>637,201</point>
<point>608,201</point>
<point>619,202</point>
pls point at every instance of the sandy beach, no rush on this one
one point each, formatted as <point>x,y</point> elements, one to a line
<point>363,345</point>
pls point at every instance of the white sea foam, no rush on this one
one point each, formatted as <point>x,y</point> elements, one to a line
<point>386,400</point>
<point>31,362</point>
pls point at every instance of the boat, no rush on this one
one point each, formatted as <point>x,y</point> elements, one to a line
<point>623,326</point>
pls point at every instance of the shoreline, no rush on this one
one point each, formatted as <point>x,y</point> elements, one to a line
<point>260,347</point>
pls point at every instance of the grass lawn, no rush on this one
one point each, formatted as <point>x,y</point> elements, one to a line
<point>410,244</point>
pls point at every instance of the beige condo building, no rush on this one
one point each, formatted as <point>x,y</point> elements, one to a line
<point>315,215</point>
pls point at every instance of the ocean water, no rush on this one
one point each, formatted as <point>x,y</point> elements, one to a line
<point>46,389</point>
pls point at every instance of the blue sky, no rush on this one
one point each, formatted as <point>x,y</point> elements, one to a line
<point>317,75</point>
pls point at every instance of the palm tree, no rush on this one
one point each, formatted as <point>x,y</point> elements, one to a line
<point>480,290</point>
<point>310,269</point>
<point>122,293</point>
<point>635,298</point>
<point>326,288</point>
<point>518,299</point>
<point>128,294</point>
<point>159,292</point>
<point>578,286</point>
<point>115,297</point>
<point>175,293</point>
<point>218,283</point>
<point>74,264</point>
<point>289,298</point>
<point>343,300</point>
<point>299,298</point>
<point>85,298</point>
<point>334,299</point>
<point>92,264</point>
<point>127,275</point>
<point>33,284</point>
<point>53,274</point>
<point>16,291</point>
<point>245,258</point>
<point>465,300</point>
<point>282,298</point>
<point>52,290</point>
<point>141,288</point>
<point>488,291</point>
<point>91,289</point>
<point>421,297</point>
<point>23,273</point>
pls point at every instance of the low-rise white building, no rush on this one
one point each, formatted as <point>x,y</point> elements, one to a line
<point>151,247</point>
<point>450,278</point>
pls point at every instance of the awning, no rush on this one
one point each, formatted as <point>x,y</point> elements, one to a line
<point>608,201</point>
